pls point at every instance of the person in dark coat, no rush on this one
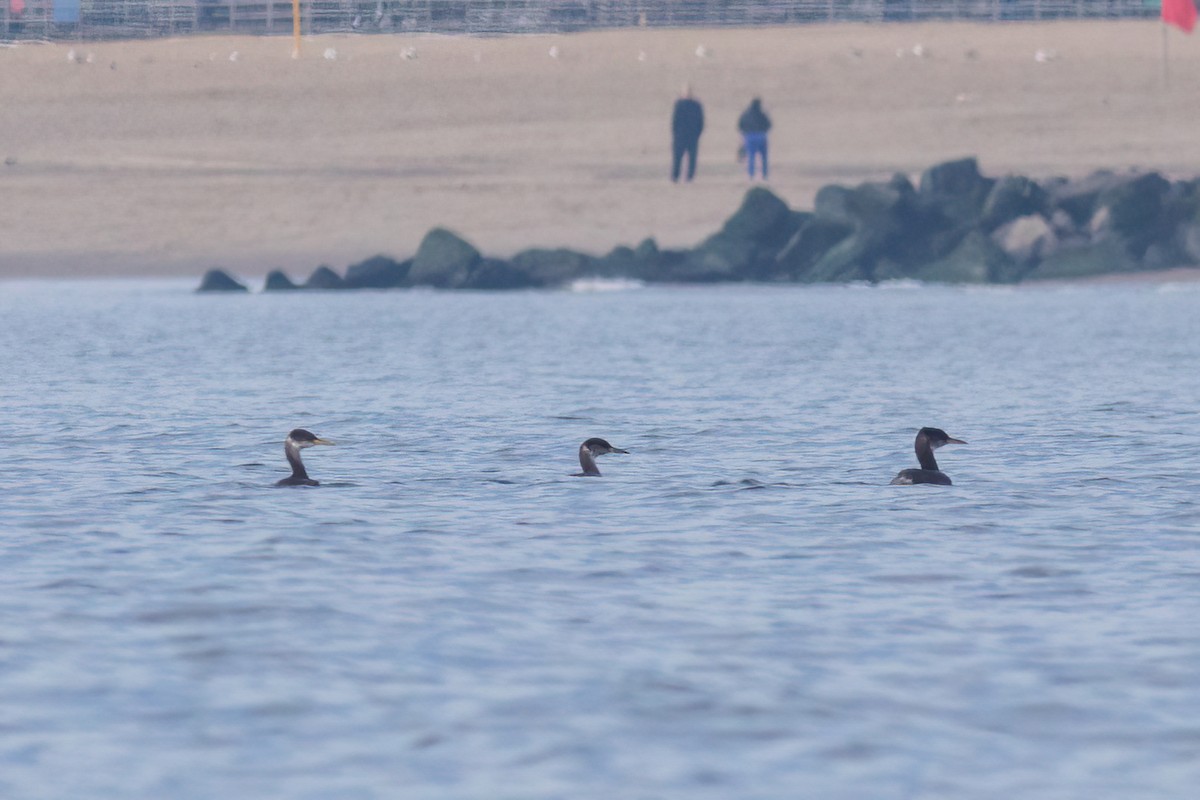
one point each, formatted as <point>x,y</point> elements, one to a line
<point>687,123</point>
<point>754,124</point>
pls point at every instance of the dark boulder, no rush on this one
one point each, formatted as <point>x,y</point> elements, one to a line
<point>955,191</point>
<point>378,272</point>
<point>278,281</point>
<point>557,267</point>
<point>977,259</point>
<point>959,178</point>
<point>1189,242</point>
<point>718,258</point>
<point>762,218</point>
<point>217,280</point>
<point>889,220</point>
<point>807,245</point>
<point>646,251</point>
<point>659,266</point>
<point>1164,255</point>
<point>494,274</point>
<point>324,278</point>
<point>1181,205</point>
<point>878,208</point>
<point>648,263</point>
<point>888,270</point>
<point>1134,208</point>
<point>1083,259</point>
<point>1012,196</point>
<point>833,204</point>
<point>620,262</point>
<point>444,260</point>
<point>1078,198</point>
<point>746,246</point>
<point>851,259</point>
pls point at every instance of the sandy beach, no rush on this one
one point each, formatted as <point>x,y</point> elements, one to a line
<point>167,157</point>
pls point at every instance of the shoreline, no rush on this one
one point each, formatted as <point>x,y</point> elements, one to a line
<point>169,157</point>
<point>1162,277</point>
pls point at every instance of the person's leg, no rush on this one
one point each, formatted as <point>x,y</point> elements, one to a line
<point>764,157</point>
<point>676,159</point>
<point>692,151</point>
<point>754,143</point>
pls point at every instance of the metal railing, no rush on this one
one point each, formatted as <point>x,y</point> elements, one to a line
<point>49,19</point>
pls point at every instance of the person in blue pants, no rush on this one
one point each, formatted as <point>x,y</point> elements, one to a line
<point>754,124</point>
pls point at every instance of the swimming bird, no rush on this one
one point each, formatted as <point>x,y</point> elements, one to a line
<point>928,440</point>
<point>296,441</point>
<point>587,456</point>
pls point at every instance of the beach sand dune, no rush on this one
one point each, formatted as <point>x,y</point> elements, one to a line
<point>165,157</point>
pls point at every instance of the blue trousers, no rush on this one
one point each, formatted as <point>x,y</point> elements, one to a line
<point>756,145</point>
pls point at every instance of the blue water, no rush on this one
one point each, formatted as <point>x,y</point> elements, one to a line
<point>741,608</point>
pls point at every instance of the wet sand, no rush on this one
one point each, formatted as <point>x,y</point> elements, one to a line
<point>166,157</point>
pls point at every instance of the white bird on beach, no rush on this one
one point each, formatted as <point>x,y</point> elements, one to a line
<point>702,51</point>
<point>408,53</point>
<point>233,56</point>
<point>330,54</point>
<point>554,51</point>
<point>1043,56</point>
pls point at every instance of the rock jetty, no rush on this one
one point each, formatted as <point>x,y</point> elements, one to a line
<point>955,225</point>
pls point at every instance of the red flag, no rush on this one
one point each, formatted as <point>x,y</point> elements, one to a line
<point>15,7</point>
<point>1180,13</point>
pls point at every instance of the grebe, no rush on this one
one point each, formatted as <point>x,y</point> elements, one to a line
<point>587,456</point>
<point>296,441</point>
<point>928,440</point>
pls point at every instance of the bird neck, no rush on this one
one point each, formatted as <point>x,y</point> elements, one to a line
<point>588,462</point>
<point>925,453</point>
<point>293,457</point>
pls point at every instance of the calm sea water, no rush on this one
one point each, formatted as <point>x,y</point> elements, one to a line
<point>741,608</point>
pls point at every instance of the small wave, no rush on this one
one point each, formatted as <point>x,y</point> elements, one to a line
<point>901,283</point>
<point>604,285</point>
<point>1178,287</point>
